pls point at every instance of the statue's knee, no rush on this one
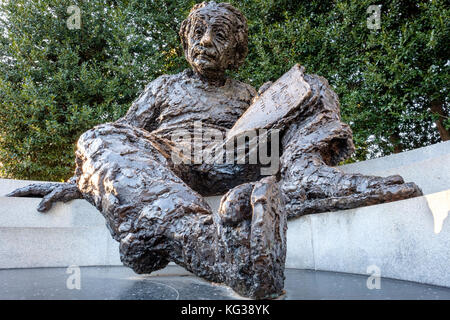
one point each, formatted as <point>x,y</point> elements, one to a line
<point>141,256</point>
<point>235,205</point>
<point>91,141</point>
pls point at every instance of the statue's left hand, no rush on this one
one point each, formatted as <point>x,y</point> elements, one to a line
<point>51,193</point>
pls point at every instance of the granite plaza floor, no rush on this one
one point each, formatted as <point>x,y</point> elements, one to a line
<point>174,282</point>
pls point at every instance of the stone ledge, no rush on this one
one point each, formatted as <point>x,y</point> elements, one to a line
<point>57,247</point>
<point>430,174</point>
<point>69,234</point>
<point>407,240</point>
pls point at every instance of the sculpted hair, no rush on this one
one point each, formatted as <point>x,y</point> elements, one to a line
<point>241,32</point>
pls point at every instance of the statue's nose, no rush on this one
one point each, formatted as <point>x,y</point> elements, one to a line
<point>207,38</point>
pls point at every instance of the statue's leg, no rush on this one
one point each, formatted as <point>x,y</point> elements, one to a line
<point>154,215</point>
<point>311,186</point>
<point>252,225</point>
<point>315,143</point>
<point>158,218</point>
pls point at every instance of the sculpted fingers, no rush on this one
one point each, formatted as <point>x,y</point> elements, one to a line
<point>64,192</point>
<point>34,190</point>
<point>47,202</point>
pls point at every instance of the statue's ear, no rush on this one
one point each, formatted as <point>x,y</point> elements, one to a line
<point>241,47</point>
<point>184,29</point>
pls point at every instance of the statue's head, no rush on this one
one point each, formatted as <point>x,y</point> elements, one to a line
<point>214,38</point>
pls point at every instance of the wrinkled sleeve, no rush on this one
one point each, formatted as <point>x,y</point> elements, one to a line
<point>144,111</point>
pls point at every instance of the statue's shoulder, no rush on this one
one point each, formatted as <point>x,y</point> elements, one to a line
<point>244,88</point>
<point>159,83</point>
<point>164,82</point>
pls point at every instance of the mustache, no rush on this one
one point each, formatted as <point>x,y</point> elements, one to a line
<point>197,50</point>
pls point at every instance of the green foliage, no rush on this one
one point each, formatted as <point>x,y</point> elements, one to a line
<point>386,79</point>
<point>56,83</point>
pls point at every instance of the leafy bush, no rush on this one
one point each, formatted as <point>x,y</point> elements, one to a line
<point>56,83</point>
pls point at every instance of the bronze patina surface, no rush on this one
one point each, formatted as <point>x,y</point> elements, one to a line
<point>155,207</point>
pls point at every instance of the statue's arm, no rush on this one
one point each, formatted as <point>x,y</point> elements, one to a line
<point>261,90</point>
<point>264,87</point>
<point>142,114</point>
<point>51,192</point>
<point>144,111</point>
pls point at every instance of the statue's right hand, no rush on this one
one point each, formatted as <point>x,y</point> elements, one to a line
<point>50,192</point>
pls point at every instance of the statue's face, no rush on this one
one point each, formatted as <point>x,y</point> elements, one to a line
<point>211,44</point>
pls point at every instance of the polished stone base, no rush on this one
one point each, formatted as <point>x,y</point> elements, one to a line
<point>173,282</point>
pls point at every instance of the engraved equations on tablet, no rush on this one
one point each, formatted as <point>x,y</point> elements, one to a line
<point>284,95</point>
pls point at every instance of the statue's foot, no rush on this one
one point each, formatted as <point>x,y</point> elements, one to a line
<point>374,183</point>
<point>235,205</point>
<point>380,189</point>
<point>252,225</point>
<point>353,191</point>
<point>268,239</point>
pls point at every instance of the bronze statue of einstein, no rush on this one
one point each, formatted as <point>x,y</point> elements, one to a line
<point>155,207</point>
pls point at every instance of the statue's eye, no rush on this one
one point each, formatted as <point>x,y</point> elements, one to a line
<point>220,36</point>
